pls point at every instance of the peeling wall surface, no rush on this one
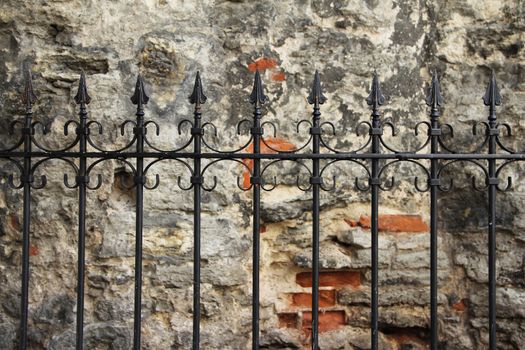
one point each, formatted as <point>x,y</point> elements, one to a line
<point>168,41</point>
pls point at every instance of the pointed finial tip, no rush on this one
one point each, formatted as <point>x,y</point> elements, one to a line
<point>316,92</point>
<point>375,98</point>
<point>257,96</point>
<point>434,98</point>
<point>29,96</point>
<point>139,95</point>
<point>197,96</point>
<point>492,95</point>
<point>82,96</point>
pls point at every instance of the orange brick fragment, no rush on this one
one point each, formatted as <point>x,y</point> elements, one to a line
<point>396,223</point>
<point>326,299</point>
<point>279,76</point>
<point>14,222</point>
<point>460,305</point>
<point>330,279</point>
<point>352,223</point>
<point>262,64</point>
<point>288,320</point>
<point>276,143</point>
<point>328,320</point>
<point>33,250</point>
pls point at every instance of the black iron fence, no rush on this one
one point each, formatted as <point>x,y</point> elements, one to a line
<point>374,157</point>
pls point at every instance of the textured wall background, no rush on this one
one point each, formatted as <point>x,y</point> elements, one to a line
<point>168,41</point>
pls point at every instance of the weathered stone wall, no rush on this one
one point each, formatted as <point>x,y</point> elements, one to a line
<point>168,41</point>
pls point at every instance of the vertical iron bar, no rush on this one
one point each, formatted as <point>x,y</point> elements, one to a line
<point>492,254</point>
<point>140,99</point>
<point>434,100</point>
<point>315,237</point>
<point>82,98</point>
<point>433,243</point>
<point>375,99</point>
<point>197,98</point>
<point>28,98</point>
<point>492,99</point>
<point>257,98</point>
<point>316,98</point>
<point>315,230</point>
<point>256,238</point>
<point>196,240</point>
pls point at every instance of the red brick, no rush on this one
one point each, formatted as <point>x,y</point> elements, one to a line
<point>275,143</point>
<point>396,223</point>
<point>33,250</point>
<point>328,320</point>
<point>279,76</point>
<point>460,305</point>
<point>330,279</point>
<point>288,320</point>
<point>263,228</point>
<point>14,222</point>
<point>352,223</point>
<point>262,64</point>
<point>326,299</point>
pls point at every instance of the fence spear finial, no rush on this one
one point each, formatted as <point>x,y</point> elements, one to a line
<point>82,96</point>
<point>29,96</point>
<point>434,98</point>
<point>139,97</point>
<point>316,93</point>
<point>197,97</point>
<point>257,96</point>
<point>376,98</point>
<point>492,96</point>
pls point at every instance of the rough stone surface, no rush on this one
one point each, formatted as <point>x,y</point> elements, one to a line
<point>168,41</point>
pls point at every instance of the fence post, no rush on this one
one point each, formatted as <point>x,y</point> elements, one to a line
<point>492,99</point>
<point>197,98</point>
<point>375,99</point>
<point>82,98</point>
<point>434,100</point>
<point>257,98</point>
<point>140,99</point>
<point>316,98</point>
<point>28,98</point>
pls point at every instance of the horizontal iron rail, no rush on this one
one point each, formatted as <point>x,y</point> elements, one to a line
<point>295,156</point>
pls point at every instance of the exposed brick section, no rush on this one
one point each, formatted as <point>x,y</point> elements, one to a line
<point>326,299</point>
<point>288,320</point>
<point>396,223</point>
<point>460,305</point>
<point>328,320</point>
<point>279,76</point>
<point>330,279</point>
<point>33,250</point>
<point>14,222</point>
<point>262,64</point>
<point>352,223</point>
<point>275,143</point>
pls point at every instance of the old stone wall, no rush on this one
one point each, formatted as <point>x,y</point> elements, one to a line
<point>168,41</point>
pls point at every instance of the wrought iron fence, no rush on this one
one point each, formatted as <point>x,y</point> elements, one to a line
<point>83,154</point>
